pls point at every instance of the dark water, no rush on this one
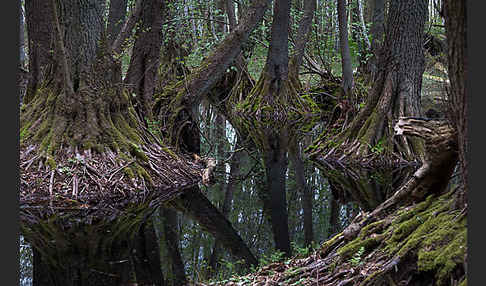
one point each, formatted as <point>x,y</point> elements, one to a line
<point>105,253</point>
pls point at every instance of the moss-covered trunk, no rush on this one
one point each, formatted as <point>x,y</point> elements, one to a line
<point>395,93</point>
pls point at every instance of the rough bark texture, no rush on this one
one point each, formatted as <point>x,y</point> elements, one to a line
<point>302,37</point>
<point>82,27</point>
<point>456,27</point>
<point>145,56</point>
<point>116,19</point>
<point>38,18</point>
<point>395,93</point>
<point>347,70</point>
<point>199,208</point>
<point>377,31</point>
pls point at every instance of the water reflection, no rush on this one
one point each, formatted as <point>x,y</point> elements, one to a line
<point>366,186</point>
<point>72,249</point>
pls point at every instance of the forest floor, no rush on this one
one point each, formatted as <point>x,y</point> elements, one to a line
<point>419,244</point>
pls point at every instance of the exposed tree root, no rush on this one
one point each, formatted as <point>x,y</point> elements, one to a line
<point>416,237</point>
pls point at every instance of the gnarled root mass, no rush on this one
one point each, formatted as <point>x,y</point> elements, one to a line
<point>416,237</point>
<point>92,152</point>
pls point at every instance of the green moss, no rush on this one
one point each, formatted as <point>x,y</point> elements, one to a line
<point>352,247</point>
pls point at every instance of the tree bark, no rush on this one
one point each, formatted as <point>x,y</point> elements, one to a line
<point>377,31</point>
<point>455,15</point>
<point>142,71</point>
<point>38,18</point>
<point>347,70</point>
<point>116,19</point>
<point>22,37</point>
<point>302,37</point>
<point>396,93</point>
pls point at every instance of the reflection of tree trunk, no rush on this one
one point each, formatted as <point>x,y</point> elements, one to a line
<point>146,256</point>
<point>177,276</point>
<point>41,274</point>
<point>303,190</point>
<point>228,190</point>
<point>194,204</point>
<point>97,254</point>
<point>334,221</point>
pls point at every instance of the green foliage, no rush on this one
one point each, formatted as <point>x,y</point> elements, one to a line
<point>356,259</point>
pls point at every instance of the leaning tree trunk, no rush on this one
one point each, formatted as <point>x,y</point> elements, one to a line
<point>396,93</point>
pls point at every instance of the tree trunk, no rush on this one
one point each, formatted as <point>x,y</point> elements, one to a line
<point>396,93</point>
<point>175,107</point>
<point>377,30</point>
<point>22,37</point>
<point>116,19</point>
<point>38,18</point>
<point>302,37</point>
<point>363,24</point>
<point>456,28</point>
<point>142,71</point>
<point>347,70</point>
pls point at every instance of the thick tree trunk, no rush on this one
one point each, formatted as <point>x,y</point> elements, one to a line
<point>88,255</point>
<point>377,31</point>
<point>455,15</point>
<point>141,74</point>
<point>38,18</point>
<point>347,70</point>
<point>200,209</point>
<point>146,256</point>
<point>394,94</point>
<point>83,27</point>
